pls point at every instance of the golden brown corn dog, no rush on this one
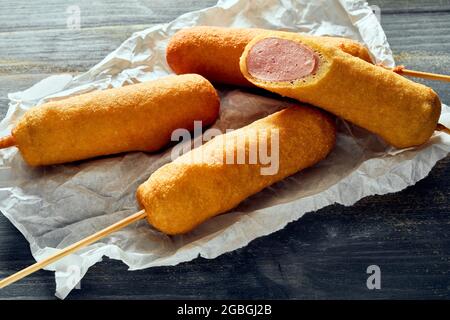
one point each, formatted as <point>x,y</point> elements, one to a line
<point>200,184</point>
<point>184,193</point>
<point>214,52</point>
<point>402,112</point>
<point>138,117</point>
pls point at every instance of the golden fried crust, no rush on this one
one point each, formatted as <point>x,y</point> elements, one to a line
<point>214,52</point>
<point>349,46</point>
<point>200,184</point>
<point>138,117</point>
<point>210,51</point>
<point>402,112</point>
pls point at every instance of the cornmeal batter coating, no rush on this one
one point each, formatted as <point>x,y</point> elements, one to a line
<point>214,52</point>
<point>139,117</point>
<point>402,112</point>
<point>201,184</point>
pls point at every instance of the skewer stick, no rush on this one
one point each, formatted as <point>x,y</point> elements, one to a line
<point>72,248</point>
<point>418,74</point>
<point>6,142</point>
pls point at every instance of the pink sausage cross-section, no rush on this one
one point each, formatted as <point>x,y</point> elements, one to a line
<point>274,59</point>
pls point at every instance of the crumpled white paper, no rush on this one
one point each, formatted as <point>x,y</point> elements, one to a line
<point>56,206</point>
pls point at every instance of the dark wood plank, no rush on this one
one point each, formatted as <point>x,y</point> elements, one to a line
<point>421,41</point>
<point>325,254</point>
<point>411,6</point>
<point>31,48</point>
<point>23,15</point>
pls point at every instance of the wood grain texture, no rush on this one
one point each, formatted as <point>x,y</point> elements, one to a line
<point>323,255</point>
<point>411,6</point>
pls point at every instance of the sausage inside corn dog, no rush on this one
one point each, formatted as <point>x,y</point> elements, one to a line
<point>214,52</point>
<point>402,112</point>
<point>201,184</point>
<point>139,117</point>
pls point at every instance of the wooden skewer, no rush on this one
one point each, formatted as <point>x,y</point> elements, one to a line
<point>72,248</point>
<point>418,74</point>
<point>6,142</point>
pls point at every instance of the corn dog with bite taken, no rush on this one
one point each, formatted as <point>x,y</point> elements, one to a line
<point>214,52</point>
<point>402,112</point>
<point>139,117</point>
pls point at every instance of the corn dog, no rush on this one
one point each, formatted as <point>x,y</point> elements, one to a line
<point>200,184</point>
<point>138,117</point>
<point>182,194</point>
<point>214,52</point>
<point>402,112</point>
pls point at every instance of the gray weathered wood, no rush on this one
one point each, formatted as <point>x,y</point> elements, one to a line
<point>325,254</point>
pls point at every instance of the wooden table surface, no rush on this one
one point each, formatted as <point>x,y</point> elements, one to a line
<point>323,255</point>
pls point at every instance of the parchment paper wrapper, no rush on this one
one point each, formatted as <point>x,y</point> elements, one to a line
<point>56,206</point>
